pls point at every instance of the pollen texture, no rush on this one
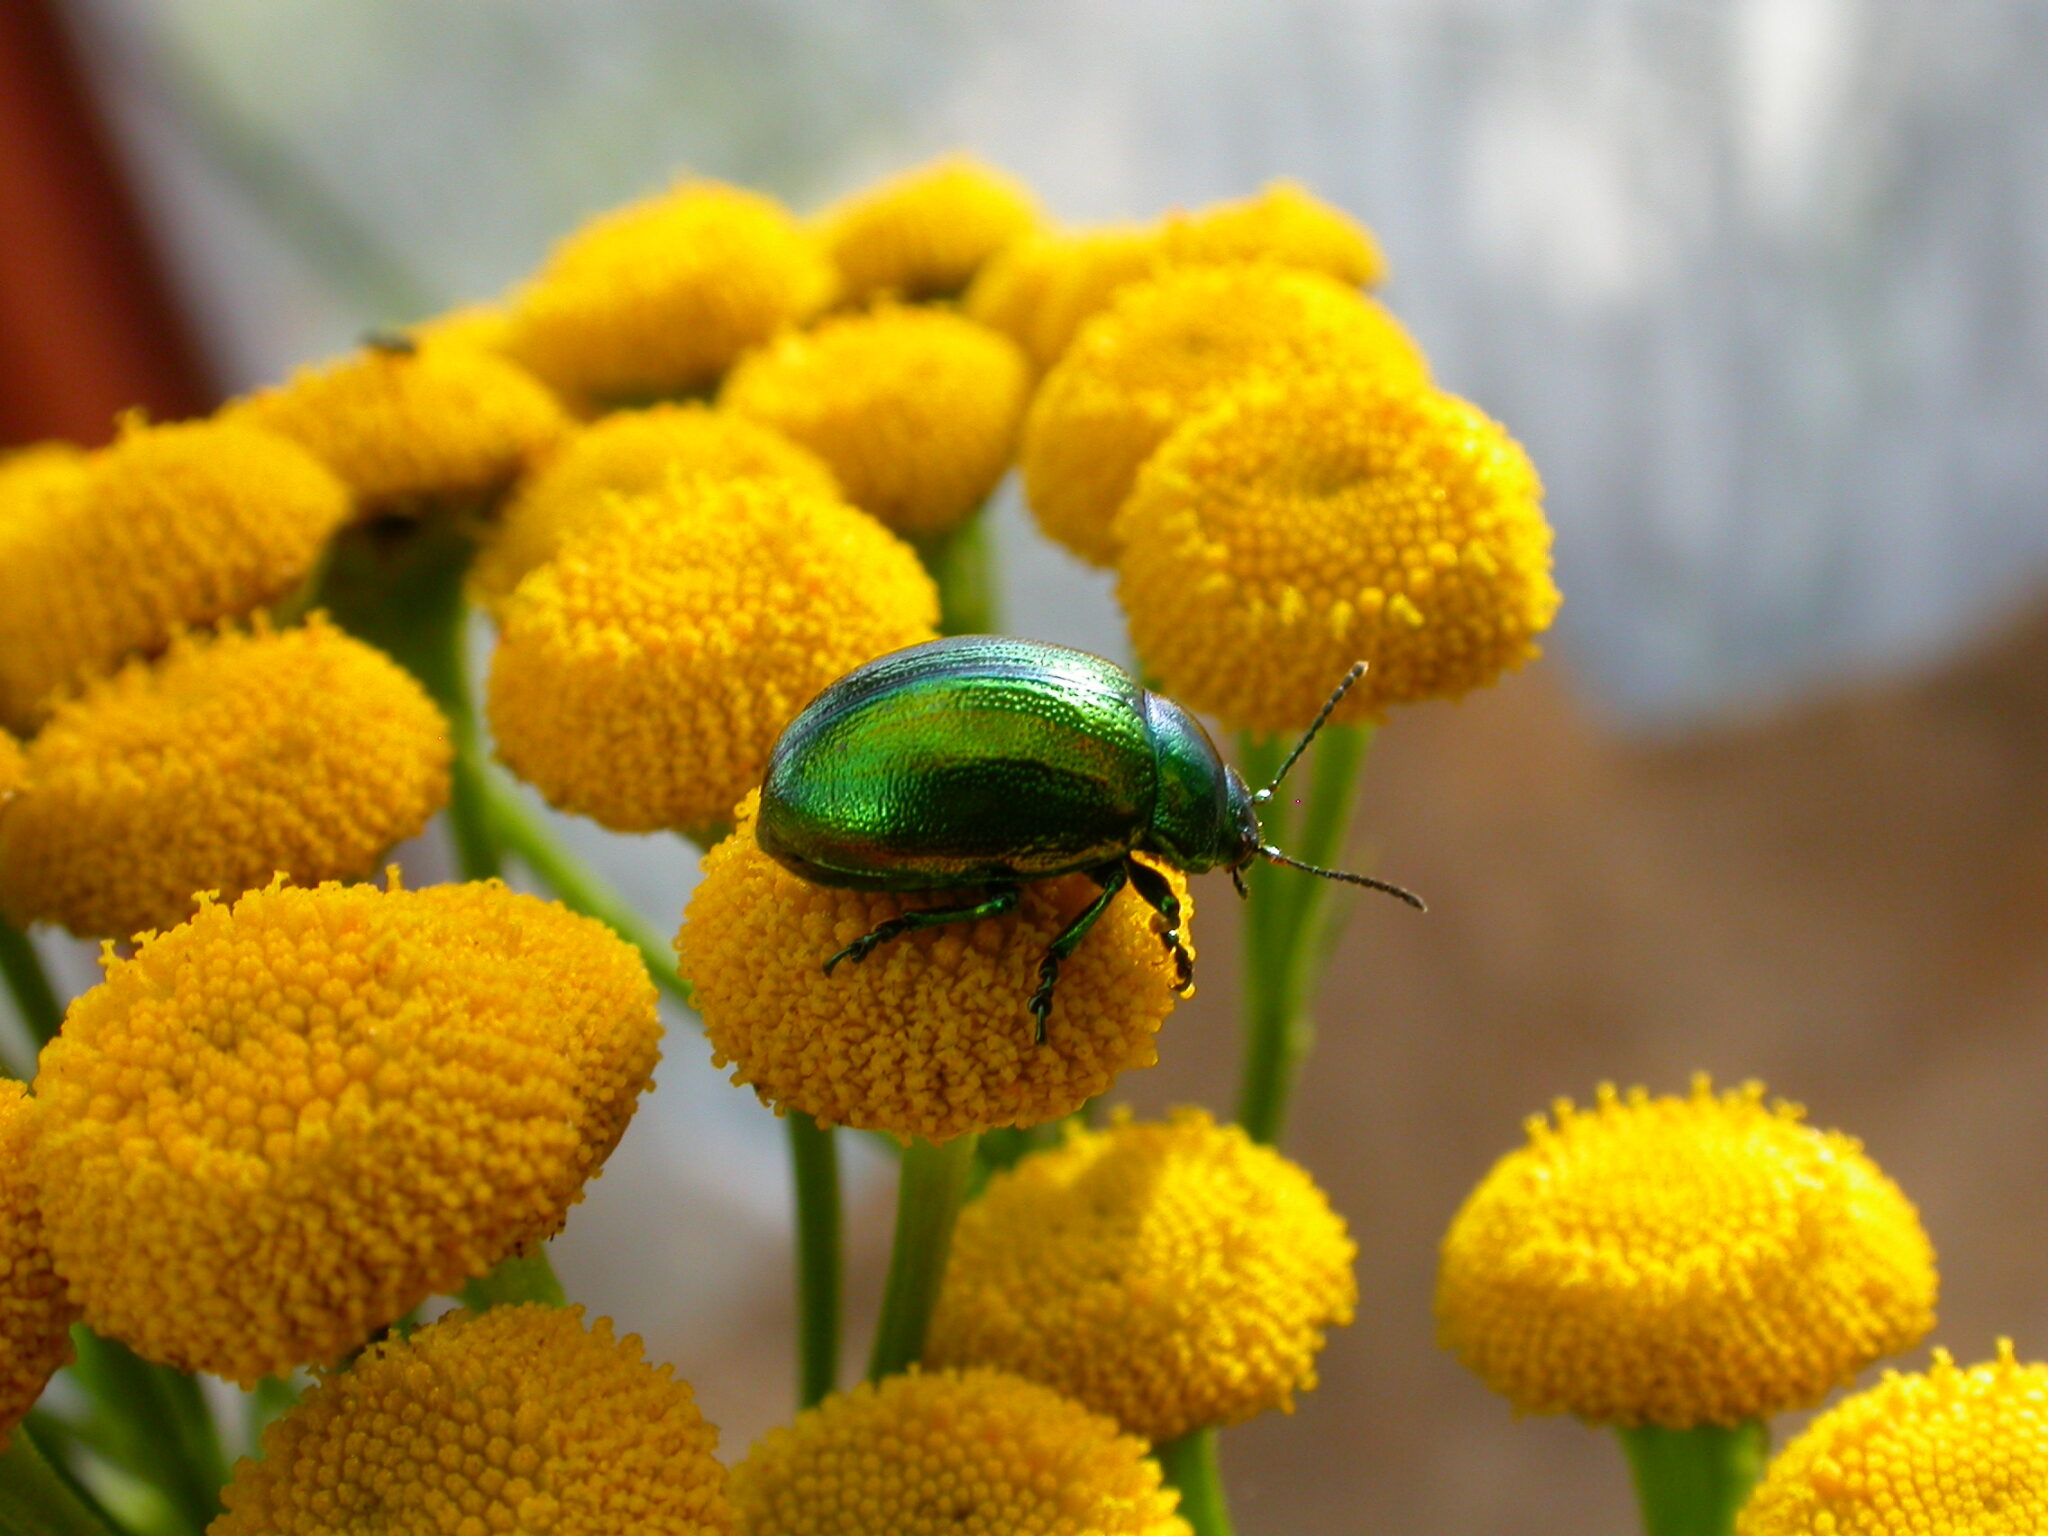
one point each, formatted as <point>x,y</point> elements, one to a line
<point>1173,1275</point>
<point>951,1453</point>
<point>286,1123</point>
<point>924,233</point>
<point>169,527</point>
<point>1945,1453</point>
<point>1296,529</point>
<point>930,1035</point>
<point>35,1315</point>
<point>658,298</point>
<point>233,757</point>
<point>630,453</point>
<point>1168,348</point>
<point>407,428</point>
<point>643,674</point>
<point>915,410</point>
<point>518,1420</point>
<point>1681,1261</point>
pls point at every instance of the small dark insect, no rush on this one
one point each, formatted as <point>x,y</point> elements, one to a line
<point>987,762</point>
<point>397,343</point>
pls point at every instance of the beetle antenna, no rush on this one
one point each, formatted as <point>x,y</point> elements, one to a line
<point>1399,893</point>
<point>1357,671</point>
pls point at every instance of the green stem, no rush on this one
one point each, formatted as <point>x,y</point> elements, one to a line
<point>1190,1465</point>
<point>160,1425</point>
<point>1285,920</point>
<point>814,1160</point>
<point>1691,1482</point>
<point>522,1278</point>
<point>36,1499</point>
<point>930,1187</point>
<point>958,561</point>
<point>30,985</point>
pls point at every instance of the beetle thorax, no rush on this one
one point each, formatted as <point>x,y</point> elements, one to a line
<point>1196,819</point>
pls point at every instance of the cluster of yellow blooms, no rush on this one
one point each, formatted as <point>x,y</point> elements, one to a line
<point>700,453</point>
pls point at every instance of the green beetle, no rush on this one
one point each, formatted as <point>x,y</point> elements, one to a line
<point>980,761</point>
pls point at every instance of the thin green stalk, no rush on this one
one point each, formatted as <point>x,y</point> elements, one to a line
<point>1692,1482</point>
<point>814,1163</point>
<point>158,1425</point>
<point>36,1499</point>
<point>29,985</point>
<point>959,563</point>
<point>1190,1465</point>
<point>522,1278</point>
<point>932,1183</point>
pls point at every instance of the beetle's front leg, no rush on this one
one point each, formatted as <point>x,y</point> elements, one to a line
<point>999,900</point>
<point>1158,894</point>
<point>1111,878</point>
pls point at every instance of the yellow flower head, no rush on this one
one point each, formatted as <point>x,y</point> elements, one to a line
<point>915,410</point>
<point>1172,1275</point>
<point>32,476</point>
<point>289,1121</point>
<point>485,327</point>
<point>659,297</point>
<point>951,1453</point>
<point>629,453</point>
<point>517,1420</point>
<point>1171,347</point>
<point>1292,530</point>
<point>924,233</point>
<point>35,1314</point>
<point>1681,1261</point>
<point>169,527</point>
<point>929,1036</point>
<point>428,423</point>
<point>13,767</point>
<point>643,674</point>
<point>1945,1453</point>
<point>1284,223</point>
<point>231,758</point>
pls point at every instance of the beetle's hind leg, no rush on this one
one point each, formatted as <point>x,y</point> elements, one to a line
<point>1158,895</point>
<point>999,900</point>
<point>1111,878</point>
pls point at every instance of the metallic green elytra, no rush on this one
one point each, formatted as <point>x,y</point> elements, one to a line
<point>985,762</point>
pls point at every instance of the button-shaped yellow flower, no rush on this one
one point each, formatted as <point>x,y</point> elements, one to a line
<point>1681,1261</point>
<point>925,232</point>
<point>1945,1453</point>
<point>35,1314</point>
<point>416,425</point>
<point>915,410</point>
<point>1295,529</point>
<point>930,1035</point>
<point>659,297</point>
<point>1168,348</point>
<point>286,1123</point>
<point>643,674</point>
<point>629,453</point>
<point>519,1420</point>
<point>951,1453</point>
<point>1284,222</point>
<point>233,757</point>
<point>169,527</point>
<point>1172,1275</point>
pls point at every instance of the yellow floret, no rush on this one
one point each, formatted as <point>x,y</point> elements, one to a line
<point>659,297</point>
<point>915,410</point>
<point>1167,349</point>
<point>485,327</point>
<point>515,1421</point>
<point>929,1036</point>
<point>286,1123</point>
<point>35,475</point>
<point>233,757</point>
<point>171,526</point>
<point>951,1453</point>
<point>1174,1276</point>
<point>35,1314</point>
<point>629,453</point>
<point>924,233</point>
<point>1291,531</point>
<point>1286,223</point>
<point>643,674</point>
<point>13,767</point>
<point>409,427</point>
<point>1945,1453</point>
<point>1681,1261</point>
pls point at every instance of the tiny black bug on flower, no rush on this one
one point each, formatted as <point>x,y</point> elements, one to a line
<point>980,761</point>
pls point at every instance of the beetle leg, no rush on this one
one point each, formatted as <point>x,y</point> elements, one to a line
<point>999,900</point>
<point>1153,887</point>
<point>1111,878</point>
